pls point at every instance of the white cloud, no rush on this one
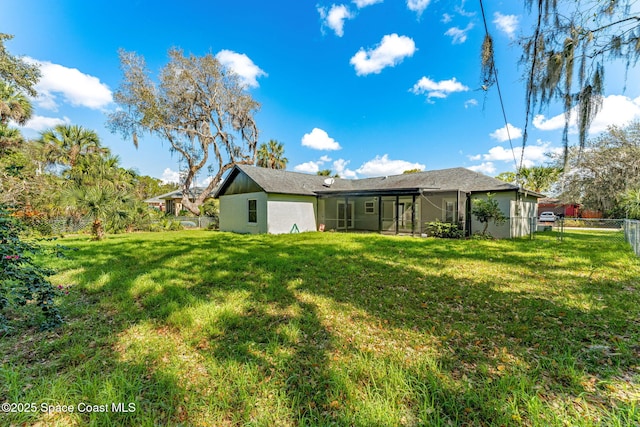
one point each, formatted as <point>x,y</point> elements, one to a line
<point>459,35</point>
<point>617,110</point>
<point>340,167</point>
<point>418,6</point>
<point>314,166</point>
<point>40,123</point>
<point>470,103</point>
<point>335,18</point>
<point>75,87</point>
<point>390,52</point>
<point>534,154</point>
<point>440,89</point>
<point>501,135</point>
<point>553,123</point>
<point>446,18</point>
<point>170,176</point>
<point>308,167</point>
<point>319,140</point>
<point>487,168</point>
<point>383,166</point>
<point>508,24</point>
<point>242,65</point>
<point>461,11</point>
<point>365,3</point>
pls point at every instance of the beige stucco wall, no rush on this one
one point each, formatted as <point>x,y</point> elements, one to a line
<point>286,210</point>
<point>523,216</point>
<point>519,215</point>
<point>234,214</point>
<point>502,231</point>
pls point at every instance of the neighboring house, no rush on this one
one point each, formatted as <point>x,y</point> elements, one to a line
<point>571,210</point>
<point>157,202</point>
<point>172,202</point>
<point>568,210</point>
<point>261,200</point>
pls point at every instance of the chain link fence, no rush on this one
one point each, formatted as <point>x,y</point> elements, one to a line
<point>72,225</point>
<point>632,234</point>
<point>66,225</point>
<point>562,226</point>
<point>197,221</point>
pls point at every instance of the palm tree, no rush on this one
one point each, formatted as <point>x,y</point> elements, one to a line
<point>9,137</point>
<point>539,178</point>
<point>327,172</point>
<point>95,170</point>
<point>272,155</point>
<point>509,177</point>
<point>103,204</point>
<point>13,105</point>
<point>64,144</point>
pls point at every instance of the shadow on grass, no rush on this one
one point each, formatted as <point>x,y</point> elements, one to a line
<point>499,353</point>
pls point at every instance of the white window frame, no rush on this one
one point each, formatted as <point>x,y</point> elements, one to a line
<point>454,213</point>
<point>370,207</point>
<point>255,211</point>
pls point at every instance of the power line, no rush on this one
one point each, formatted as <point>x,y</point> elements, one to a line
<point>504,114</point>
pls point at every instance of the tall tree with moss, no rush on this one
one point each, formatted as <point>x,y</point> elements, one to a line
<point>599,176</point>
<point>200,107</point>
<point>566,54</point>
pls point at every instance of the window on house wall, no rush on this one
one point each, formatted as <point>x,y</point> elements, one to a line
<point>449,211</point>
<point>253,211</point>
<point>369,207</point>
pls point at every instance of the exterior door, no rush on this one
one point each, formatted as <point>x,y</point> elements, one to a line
<point>345,215</point>
<point>400,218</point>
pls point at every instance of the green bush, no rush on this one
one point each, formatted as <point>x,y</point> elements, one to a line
<point>24,284</point>
<point>444,230</point>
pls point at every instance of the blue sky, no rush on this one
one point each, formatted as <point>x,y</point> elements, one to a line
<point>363,87</point>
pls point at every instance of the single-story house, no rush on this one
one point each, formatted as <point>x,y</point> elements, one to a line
<point>172,202</point>
<point>157,202</point>
<point>261,200</point>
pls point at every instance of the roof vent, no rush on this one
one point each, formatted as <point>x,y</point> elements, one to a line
<point>329,182</point>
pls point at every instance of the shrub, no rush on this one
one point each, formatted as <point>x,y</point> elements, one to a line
<point>23,283</point>
<point>488,210</point>
<point>444,230</point>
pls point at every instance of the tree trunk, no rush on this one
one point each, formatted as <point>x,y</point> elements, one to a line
<point>97,230</point>
<point>192,207</point>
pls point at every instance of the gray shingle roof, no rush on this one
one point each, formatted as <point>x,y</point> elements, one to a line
<point>177,194</point>
<point>443,179</point>
<point>285,182</point>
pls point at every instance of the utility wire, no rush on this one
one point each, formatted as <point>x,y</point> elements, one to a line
<point>504,114</point>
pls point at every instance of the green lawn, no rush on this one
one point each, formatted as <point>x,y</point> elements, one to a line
<point>206,328</point>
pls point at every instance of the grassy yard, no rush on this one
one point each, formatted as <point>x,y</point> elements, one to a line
<point>204,328</point>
